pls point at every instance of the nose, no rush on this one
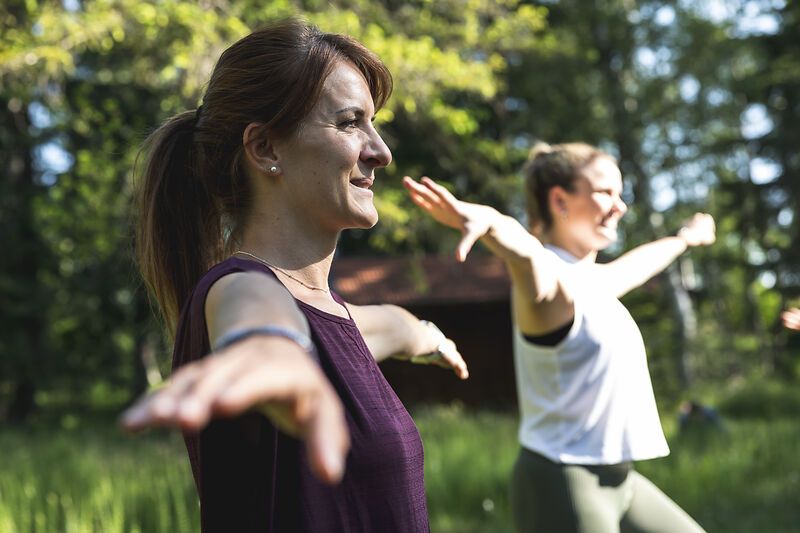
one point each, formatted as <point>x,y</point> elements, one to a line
<point>375,152</point>
<point>620,206</point>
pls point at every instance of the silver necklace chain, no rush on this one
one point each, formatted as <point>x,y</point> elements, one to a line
<point>282,271</point>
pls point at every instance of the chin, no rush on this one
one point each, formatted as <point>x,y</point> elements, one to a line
<point>369,224</point>
<point>365,220</point>
<point>606,239</point>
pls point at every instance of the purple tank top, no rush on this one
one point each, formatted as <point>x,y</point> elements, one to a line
<point>253,478</point>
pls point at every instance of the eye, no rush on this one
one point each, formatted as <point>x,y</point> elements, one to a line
<point>349,123</point>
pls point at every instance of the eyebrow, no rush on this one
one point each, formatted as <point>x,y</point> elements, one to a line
<point>354,109</point>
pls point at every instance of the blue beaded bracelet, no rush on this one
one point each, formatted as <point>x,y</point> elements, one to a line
<point>238,334</point>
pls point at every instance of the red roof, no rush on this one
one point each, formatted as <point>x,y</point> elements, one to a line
<point>420,280</point>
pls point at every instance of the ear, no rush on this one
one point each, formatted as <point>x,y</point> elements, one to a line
<point>557,200</point>
<point>259,149</point>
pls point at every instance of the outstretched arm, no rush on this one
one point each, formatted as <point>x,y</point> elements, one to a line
<point>542,300</point>
<point>635,267</point>
<point>264,372</point>
<point>391,331</point>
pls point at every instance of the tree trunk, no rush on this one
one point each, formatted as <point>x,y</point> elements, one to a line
<point>625,134</point>
<point>23,316</point>
<point>23,402</point>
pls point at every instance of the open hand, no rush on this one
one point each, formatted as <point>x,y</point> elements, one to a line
<point>791,318</point>
<point>269,374</point>
<point>451,358</point>
<point>473,220</point>
<point>698,230</point>
<point>441,351</point>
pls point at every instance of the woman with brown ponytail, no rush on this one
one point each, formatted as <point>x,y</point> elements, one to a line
<point>242,203</point>
<point>586,401</point>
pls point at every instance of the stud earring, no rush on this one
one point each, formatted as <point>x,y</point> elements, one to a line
<point>273,169</point>
<point>564,214</point>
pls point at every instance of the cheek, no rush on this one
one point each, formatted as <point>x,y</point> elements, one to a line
<point>604,204</point>
<point>344,151</point>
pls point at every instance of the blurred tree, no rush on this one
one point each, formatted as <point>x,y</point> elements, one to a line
<point>771,227</point>
<point>96,76</point>
<point>83,85</point>
<point>23,328</point>
<point>668,86</point>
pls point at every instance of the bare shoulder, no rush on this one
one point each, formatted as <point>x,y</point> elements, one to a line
<point>243,285</point>
<point>250,298</point>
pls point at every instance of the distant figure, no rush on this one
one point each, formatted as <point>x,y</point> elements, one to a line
<point>585,396</point>
<point>791,318</point>
<point>693,414</point>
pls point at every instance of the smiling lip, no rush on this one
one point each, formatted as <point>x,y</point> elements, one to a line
<point>363,183</point>
<point>609,222</point>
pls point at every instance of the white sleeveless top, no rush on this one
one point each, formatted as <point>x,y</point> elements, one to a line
<point>589,399</point>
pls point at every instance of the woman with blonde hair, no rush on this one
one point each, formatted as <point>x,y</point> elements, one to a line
<point>586,401</point>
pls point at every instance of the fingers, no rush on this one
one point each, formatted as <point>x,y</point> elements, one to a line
<point>428,194</point>
<point>327,438</point>
<point>448,210</point>
<point>276,371</point>
<point>706,222</point>
<point>791,318</point>
<point>199,401</point>
<point>412,185</point>
<point>699,230</point>
<point>437,189</point>
<point>430,191</point>
<point>451,358</point>
<point>160,408</point>
<point>301,402</point>
<point>468,240</point>
<point>272,374</point>
<point>419,194</point>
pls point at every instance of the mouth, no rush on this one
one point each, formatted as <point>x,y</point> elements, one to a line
<point>609,222</point>
<point>362,183</point>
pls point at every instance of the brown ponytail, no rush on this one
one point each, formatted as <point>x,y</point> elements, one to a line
<point>194,196</point>
<point>551,166</point>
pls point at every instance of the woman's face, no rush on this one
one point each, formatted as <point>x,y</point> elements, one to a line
<point>590,213</point>
<point>328,165</point>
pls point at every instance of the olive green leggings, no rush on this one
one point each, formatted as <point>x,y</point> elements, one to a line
<point>548,497</point>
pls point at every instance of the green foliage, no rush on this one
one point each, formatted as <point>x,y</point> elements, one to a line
<point>762,399</point>
<point>105,74</point>
<point>476,82</point>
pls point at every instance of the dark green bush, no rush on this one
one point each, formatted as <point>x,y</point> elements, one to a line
<point>761,399</point>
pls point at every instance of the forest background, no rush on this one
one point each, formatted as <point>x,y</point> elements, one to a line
<point>698,100</point>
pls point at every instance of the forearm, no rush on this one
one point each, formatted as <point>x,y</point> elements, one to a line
<point>635,267</point>
<point>391,331</point>
<point>531,268</point>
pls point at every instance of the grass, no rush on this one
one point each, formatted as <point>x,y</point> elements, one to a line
<point>86,477</point>
<point>744,479</point>
<point>93,479</point>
